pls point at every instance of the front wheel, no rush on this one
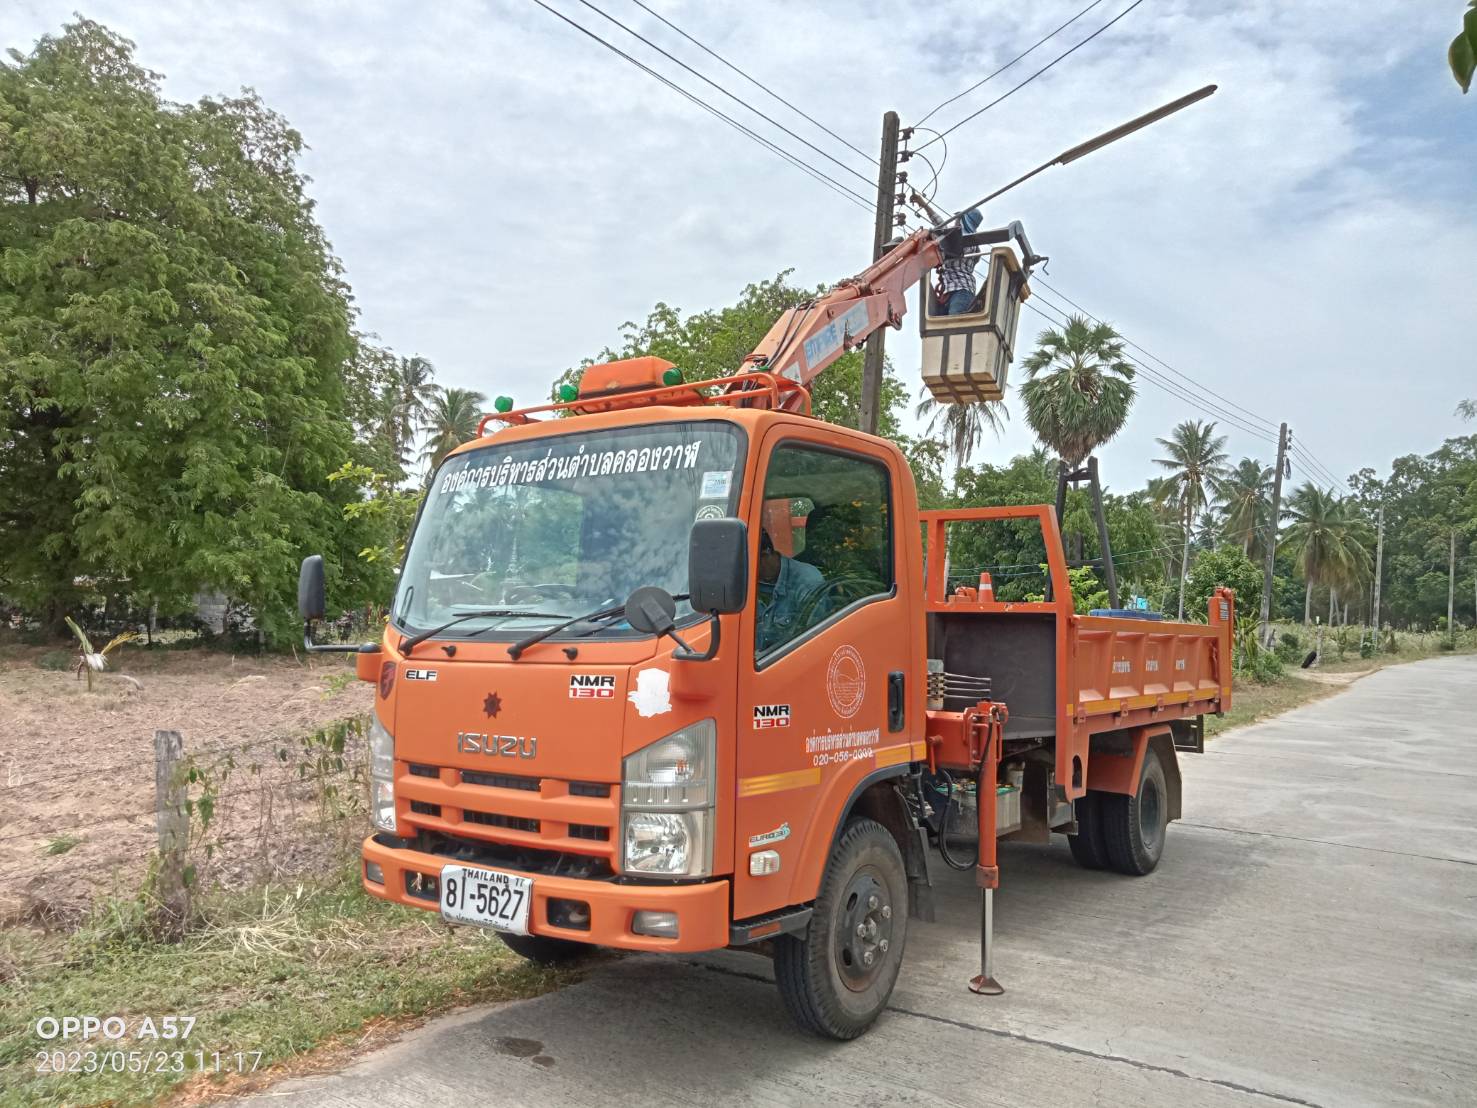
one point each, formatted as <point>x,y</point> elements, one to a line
<point>836,978</point>
<point>1134,827</point>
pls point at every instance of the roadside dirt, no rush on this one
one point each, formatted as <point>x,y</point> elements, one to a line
<point>77,767</point>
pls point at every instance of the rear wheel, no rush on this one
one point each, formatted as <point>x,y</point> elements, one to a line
<point>542,949</point>
<point>836,978</point>
<point>1088,846</point>
<point>1134,826</point>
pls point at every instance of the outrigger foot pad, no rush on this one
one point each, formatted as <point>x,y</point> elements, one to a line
<point>981,985</point>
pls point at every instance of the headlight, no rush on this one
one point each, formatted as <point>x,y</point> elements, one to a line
<point>667,804</point>
<point>381,776</point>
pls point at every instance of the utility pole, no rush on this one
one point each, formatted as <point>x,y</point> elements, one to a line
<point>1451,591</point>
<point>882,235</point>
<point>1284,439</point>
<point>1379,564</point>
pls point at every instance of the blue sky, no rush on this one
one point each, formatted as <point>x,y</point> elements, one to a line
<point>504,193</point>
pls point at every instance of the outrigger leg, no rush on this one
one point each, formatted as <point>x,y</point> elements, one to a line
<point>984,983</point>
<point>987,869</point>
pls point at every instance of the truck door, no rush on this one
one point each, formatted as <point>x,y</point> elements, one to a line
<point>826,643</point>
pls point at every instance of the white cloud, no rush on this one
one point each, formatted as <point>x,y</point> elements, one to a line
<point>504,192</point>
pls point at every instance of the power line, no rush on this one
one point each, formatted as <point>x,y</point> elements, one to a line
<point>830,182</point>
<point>1049,65</point>
<point>732,96</point>
<point>1037,279</point>
<point>1174,389</point>
<point>1023,54</point>
<point>757,84</point>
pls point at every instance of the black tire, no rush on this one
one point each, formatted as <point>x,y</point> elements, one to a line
<point>826,984</point>
<point>1088,846</point>
<point>544,950</point>
<point>1134,827</point>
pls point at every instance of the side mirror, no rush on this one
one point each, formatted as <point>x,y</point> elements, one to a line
<point>651,610</point>
<point>718,565</point>
<point>310,596</point>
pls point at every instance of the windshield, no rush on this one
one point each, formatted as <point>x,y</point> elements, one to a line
<point>556,528</point>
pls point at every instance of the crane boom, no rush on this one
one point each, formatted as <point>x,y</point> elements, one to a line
<point>807,339</point>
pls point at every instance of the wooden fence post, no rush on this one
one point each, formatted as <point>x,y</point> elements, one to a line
<point>174,830</point>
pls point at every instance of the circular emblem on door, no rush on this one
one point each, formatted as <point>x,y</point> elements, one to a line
<point>846,681</point>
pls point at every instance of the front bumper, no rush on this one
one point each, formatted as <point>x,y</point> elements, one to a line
<point>702,909</point>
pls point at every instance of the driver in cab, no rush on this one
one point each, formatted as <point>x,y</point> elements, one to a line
<point>787,596</point>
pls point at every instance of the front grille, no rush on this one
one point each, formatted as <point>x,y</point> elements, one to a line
<point>492,819</point>
<point>421,808</point>
<point>588,788</point>
<point>588,831</point>
<point>500,780</point>
<point>521,859</point>
<point>418,770</point>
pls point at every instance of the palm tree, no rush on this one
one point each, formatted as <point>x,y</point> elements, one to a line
<point>1196,458</point>
<point>1327,542</point>
<point>964,425</point>
<point>1078,388</point>
<point>452,420</point>
<point>1245,502</point>
<point>412,391</point>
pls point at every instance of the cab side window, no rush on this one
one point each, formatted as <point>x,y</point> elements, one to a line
<point>825,541</point>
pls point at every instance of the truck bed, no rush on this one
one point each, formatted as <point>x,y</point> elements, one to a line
<point>1065,676</point>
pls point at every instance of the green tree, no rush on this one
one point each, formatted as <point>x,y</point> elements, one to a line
<point>451,420</point>
<point>410,392</point>
<point>1078,388</point>
<point>1462,54</point>
<point>1328,541</point>
<point>1228,566</point>
<point>174,342</point>
<point>963,425</point>
<point>1245,502</point>
<point>1196,458</point>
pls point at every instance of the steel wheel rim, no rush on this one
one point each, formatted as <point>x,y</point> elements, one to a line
<point>863,930</point>
<point>1151,807</point>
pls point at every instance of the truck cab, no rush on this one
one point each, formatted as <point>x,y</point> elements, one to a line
<point>658,792</point>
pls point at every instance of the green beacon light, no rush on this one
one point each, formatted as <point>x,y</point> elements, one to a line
<point>503,403</point>
<point>673,376</point>
<point>568,393</point>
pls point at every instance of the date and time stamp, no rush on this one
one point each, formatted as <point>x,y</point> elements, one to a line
<point>79,1044</point>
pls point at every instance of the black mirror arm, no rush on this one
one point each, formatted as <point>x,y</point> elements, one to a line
<point>687,654</point>
<point>330,648</point>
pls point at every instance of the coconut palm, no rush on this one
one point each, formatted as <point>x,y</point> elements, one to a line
<point>1196,457</point>
<point>1245,503</point>
<point>964,425</point>
<point>1327,541</point>
<point>1078,388</point>
<point>411,393</point>
<point>452,420</point>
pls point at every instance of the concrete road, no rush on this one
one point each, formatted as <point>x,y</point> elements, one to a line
<point>1309,938</point>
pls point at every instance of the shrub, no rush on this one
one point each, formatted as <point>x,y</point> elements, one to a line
<point>56,659</point>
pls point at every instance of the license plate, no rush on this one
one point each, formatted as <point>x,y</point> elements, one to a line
<point>486,898</point>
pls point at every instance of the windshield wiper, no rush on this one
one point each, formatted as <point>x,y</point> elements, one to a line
<point>612,612</point>
<point>407,645</point>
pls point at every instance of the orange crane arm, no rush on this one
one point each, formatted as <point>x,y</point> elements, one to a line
<point>807,339</point>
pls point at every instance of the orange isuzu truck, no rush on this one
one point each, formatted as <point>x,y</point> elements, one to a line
<point>685,668</point>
